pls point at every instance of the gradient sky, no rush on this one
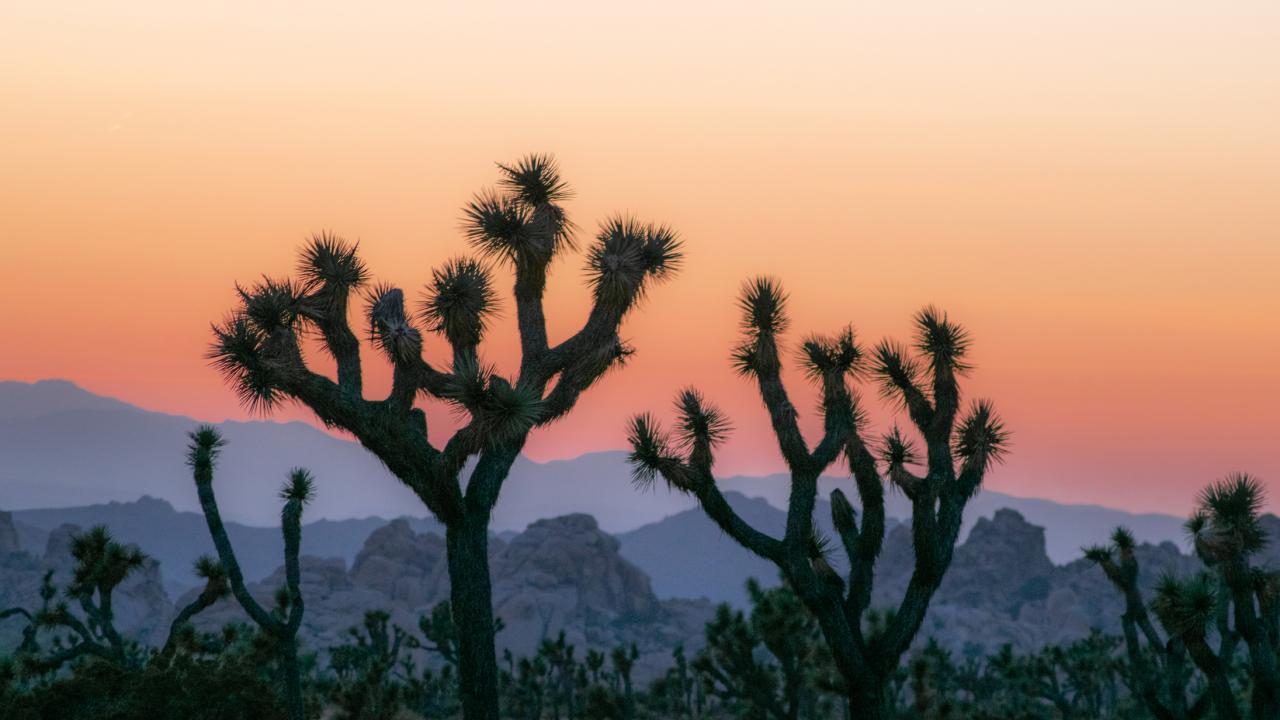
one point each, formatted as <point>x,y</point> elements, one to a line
<point>1092,187</point>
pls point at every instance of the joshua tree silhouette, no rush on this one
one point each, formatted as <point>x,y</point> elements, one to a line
<point>282,623</point>
<point>959,451</point>
<point>1233,600</point>
<point>522,225</point>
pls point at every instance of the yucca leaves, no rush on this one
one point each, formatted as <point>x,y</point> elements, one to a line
<point>205,443</point>
<point>331,263</point>
<point>298,487</point>
<point>389,326</point>
<point>699,424</point>
<point>1233,507</point>
<point>981,435</point>
<point>1186,607</point>
<point>626,256</point>
<point>535,180</point>
<point>945,343</point>
<point>824,357</point>
<point>895,368</point>
<point>459,301</point>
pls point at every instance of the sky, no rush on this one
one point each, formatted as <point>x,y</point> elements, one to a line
<point>1092,188</point>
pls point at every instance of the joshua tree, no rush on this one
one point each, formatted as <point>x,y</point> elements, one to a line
<point>1235,602</point>
<point>521,225</point>
<point>101,565</point>
<point>958,453</point>
<point>766,664</point>
<point>280,624</point>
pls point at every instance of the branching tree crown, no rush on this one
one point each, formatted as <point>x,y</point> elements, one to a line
<point>960,447</point>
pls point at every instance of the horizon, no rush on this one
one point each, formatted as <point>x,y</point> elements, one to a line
<point>1136,513</point>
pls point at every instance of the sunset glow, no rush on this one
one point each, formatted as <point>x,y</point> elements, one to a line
<point>1093,190</point>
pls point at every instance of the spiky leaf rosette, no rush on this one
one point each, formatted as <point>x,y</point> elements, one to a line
<point>205,443</point>
<point>459,301</point>
<point>207,567</point>
<point>1234,506</point>
<point>945,343</point>
<point>981,436</point>
<point>389,327</point>
<point>298,487</point>
<point>101,562</point>
<point>1185,607</point>
<point>238,352</point>
<point>271,304</point>
<point>823,357</point>
<point>699,423</point>
<point>894,367</point>
<point>499,410</point>
<point>897,450</point>
<point>651,455</point>
<point>626,256</point>
<point>497,226</point>
<point>763,307</point>
<point>331,264</point>
<point>535,180</point>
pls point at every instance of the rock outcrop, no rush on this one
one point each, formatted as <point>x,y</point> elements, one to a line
<point>559,575</point>
<point>141,605</point>
<point>1002,588</point>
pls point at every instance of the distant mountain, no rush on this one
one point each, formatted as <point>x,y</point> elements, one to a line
<point>61,446</point>
<point>175,539</point>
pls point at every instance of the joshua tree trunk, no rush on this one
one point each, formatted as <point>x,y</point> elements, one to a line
<point>282,623</point>
<point>958,453</point>
<point>522,225</point>
<point>470,597</point>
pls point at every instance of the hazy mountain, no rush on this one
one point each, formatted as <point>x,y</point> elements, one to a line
<point>176,539</point>
<point>61,446</point>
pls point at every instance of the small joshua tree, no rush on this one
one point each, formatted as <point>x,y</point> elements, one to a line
<point>958,452</point>
<point>522,226</point>
<point>280,624</point>
<point>1234,601</point>
<point>101,565</point>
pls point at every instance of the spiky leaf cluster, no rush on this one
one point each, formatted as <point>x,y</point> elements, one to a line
<point>238,352</point>
<point>523,224</point>
<point>626,256</point>
<point>945,343</point>
<point>981,436</point>
<point>894,367</point>
<point>824,357</point>
<point>389,326</point>
<point>897,450</point>
<point>459,301</point>
<point>101,562</point>
<point>330,263</point>
<point>204,445</point>
<point>762,305</point>
<point>298,487</point>
<point>1186,607</point>
<point>651,454</point>
<point>699,424</point>
<point>499,410</point>
<point>1232,508</point>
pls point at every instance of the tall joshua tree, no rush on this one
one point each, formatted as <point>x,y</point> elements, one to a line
<point>959,449</point>
<point>282,623</point>
<point>1234,601</point>
<point>520,225</point>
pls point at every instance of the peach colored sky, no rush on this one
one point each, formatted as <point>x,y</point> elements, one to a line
<point>1092,187</point>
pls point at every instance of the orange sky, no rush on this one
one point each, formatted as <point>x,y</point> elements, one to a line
<point>1093,188</point>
